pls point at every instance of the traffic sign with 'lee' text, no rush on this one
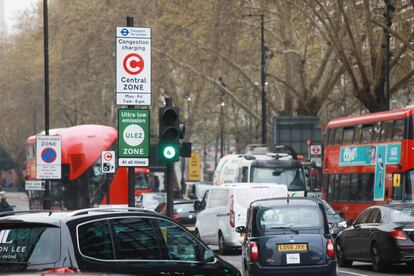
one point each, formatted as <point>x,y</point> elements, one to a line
<point>133,137</point>
<point>133,66</point>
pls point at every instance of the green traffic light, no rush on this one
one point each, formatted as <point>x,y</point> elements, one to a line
<point>169,152</point>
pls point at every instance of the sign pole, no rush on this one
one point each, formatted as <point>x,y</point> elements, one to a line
<point>46,199</point>
<point>131,170</point>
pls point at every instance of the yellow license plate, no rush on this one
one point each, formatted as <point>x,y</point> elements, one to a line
<point>292,247</point>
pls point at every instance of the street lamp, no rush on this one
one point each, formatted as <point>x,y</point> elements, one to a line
<point>388,22</point>
<point>222,117</point>
<point>263,50</point>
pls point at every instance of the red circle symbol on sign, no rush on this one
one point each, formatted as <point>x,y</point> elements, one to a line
<point>107,156</point>
<point>316,150</point>
<point>133,64</point>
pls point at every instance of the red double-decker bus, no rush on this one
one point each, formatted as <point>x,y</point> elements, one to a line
<point>369,159</point>
<point>83,184</point>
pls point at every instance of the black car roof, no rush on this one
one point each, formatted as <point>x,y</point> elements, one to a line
<point>279,202</point>
<point>55,218</point>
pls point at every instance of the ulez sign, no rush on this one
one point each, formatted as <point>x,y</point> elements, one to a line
<point>133,137</point>
<point>133,66</point>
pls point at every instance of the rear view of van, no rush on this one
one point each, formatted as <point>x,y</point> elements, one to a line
<point>224,207</point>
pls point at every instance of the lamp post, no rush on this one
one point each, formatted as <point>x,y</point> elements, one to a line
<point>388,22</point>
<point>222,117</point>
<point>263,50</point>
<point>183,163</point>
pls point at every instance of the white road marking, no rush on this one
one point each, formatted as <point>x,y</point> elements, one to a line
<point>352,273</point>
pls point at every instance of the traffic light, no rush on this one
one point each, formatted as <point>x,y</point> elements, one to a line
<point>170,133</point>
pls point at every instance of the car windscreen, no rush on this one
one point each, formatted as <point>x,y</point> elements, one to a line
<point>184,207</point>
<point>294,178</point>
<point>30,245</point>
<point>292,217</point>
<point>402,214</point>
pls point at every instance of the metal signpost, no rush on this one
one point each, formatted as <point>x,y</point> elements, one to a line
<point>48,157</point>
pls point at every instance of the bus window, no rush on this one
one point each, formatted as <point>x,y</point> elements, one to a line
<point>357,134</point>
<point>338,136</point>
<point>399,130</point>
<point>366,134</point>
<point>331,187</point>
<point>409,186</point>
<point>386,132</point>
<point>366,181</point>
<point>353,190</point>
<point>348,137</point>
<point>331,136</point>
<point>344,187</point>
<point>376,132</point>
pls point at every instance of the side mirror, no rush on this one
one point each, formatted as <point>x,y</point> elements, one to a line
<point>197,205</point>
<point>349,222</point>
<point>209,256</point>
<point>241,229</point>
<point>331,225</point>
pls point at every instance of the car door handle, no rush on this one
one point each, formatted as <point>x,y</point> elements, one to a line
<point>223,215</point>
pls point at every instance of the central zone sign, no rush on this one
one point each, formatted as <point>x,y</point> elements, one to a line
<point>133,66</point>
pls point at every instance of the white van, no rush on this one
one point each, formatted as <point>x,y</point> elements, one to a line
<point>224,207</point>
<point>262,168</point>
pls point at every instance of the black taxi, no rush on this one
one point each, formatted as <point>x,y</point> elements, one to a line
<point>287,236</point>
<point>108,240</point>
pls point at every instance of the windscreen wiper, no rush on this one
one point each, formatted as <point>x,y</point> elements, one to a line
<point>285,228</point>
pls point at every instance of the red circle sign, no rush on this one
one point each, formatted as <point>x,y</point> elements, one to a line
<point>108,156</point>
<point>133,64</point>
<point>316,150</point>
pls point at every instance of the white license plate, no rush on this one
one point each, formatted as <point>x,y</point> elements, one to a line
<point>293,258</point>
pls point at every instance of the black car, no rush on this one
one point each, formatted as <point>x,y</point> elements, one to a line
<point>287,237</point>
<point>127,241</point>
<point>336,221</point>
<point>382,235</point>
<point>185,214</point>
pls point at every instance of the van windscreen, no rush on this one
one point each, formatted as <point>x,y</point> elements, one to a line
<point>29,245</point>
<point>294,178</point>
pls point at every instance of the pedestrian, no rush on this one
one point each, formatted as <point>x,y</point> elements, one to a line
<point>4,205</point>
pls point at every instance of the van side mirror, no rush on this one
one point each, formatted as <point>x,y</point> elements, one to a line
<point>241,229</point>
<point>197,205</point>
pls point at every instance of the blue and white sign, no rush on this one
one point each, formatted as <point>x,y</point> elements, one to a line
<point>357,156</point>
<point>133,66</point>
<point>48,157</point>
<point>393,154</point>
<point>379,181</point>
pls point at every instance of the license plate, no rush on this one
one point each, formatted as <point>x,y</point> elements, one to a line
<point>292,247</point>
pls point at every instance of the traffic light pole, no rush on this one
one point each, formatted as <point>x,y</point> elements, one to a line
<point>131,170</point>
<point>170,190</point>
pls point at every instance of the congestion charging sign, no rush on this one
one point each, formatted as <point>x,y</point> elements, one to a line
<point>133,66</point>
<point>48,157</point>
<point>133,137</point>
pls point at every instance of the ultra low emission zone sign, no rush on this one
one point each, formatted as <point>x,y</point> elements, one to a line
<point>133,137</point>
<point>133,66</point>
<point>48,157</point>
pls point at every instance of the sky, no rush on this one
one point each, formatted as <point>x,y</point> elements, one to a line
<point>13,7</point>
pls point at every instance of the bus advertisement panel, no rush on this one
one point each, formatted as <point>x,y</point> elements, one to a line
<point>368,160</point>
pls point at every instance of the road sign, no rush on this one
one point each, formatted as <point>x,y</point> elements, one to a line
<point>48,157</point>
<point>316,149</point>
<point>108,161</point>
<point>194,165</point>
<point>133,137</point>
<point>35,185</point>
<point>133,66</point>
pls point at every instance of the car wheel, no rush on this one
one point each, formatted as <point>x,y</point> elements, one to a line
<point>341,258</point>
<point>378,264</point>
<point>223,249</point>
